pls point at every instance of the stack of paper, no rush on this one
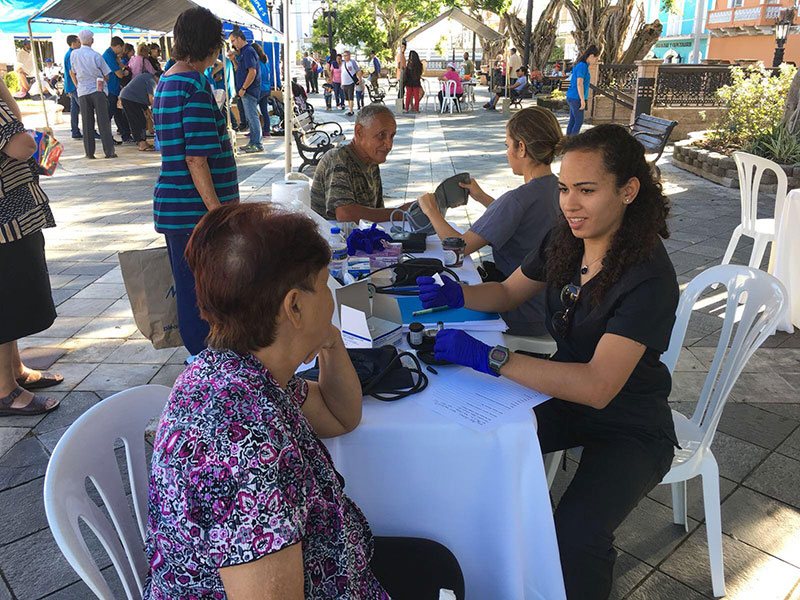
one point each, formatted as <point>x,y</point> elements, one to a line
<point>480,402</point>
<point>453,318</point>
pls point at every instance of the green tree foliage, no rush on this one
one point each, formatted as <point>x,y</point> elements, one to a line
<point>355,24</point>
<point>375,24</point>
<point>755,100</point>
<point>557,52</point>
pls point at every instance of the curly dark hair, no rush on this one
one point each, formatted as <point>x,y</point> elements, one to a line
<point>644,220</point>
<point>198,34</point>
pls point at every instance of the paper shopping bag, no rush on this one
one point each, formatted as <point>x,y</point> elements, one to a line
<point>151,290</point>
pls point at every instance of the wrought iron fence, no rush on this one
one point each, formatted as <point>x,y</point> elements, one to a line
<point>619,77</point>
<point>690,85</point>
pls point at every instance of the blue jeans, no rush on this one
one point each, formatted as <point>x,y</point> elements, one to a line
<point>575,116</point>
<point>119,118</point>
<point>338,94</point>
<point>265,103</point>
<point>193,328</point>
<point>250,104</point>
<point>74,113</point>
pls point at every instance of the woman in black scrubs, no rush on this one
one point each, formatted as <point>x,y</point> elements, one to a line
<point>611,295</point>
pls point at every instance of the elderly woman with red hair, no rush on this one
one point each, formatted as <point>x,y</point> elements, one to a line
<point>244,500</point>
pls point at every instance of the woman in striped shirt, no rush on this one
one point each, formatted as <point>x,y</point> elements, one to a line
<point>26,304</point>
<point>198,171</point>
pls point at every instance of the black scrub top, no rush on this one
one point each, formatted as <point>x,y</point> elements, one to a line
<point>640,306</point>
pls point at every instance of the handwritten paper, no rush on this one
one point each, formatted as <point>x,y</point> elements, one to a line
<point>478,401</point>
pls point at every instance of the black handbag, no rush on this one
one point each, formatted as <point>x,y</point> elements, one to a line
<point>381,373</point>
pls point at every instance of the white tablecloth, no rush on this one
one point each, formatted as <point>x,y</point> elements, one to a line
<point>787,258</point>
<point>484,496</point>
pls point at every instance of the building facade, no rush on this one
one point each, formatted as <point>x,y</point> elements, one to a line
<point>745,30</point>
<point>684,37</point>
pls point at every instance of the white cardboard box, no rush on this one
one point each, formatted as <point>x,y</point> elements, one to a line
<point>364,324</point>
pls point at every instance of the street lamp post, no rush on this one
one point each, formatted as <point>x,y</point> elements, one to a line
<point>329,13</point>
<point>782,26</point>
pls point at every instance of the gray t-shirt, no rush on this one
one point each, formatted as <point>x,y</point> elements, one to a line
<point>140,88</point>
<point>514,225</point>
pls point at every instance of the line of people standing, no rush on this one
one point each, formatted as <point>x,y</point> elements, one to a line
<point>96,87</point>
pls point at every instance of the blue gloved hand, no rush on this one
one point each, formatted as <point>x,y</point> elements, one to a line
<point>432,294</point>
<point>456,346</point>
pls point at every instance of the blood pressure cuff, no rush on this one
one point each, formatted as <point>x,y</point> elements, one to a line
<point>381,373</point>
<point>448,195</point>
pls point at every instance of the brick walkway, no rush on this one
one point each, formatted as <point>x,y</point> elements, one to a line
<point>105,207</point>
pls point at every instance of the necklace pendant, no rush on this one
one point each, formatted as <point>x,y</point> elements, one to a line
<point>584,269</point>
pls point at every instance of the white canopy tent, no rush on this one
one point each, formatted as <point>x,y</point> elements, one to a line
<point>470,23</point>
<point>466,20</point>
<point>160,16</point>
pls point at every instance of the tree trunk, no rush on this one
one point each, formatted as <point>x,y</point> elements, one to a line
<point>616,31</point>
<point>791,110</point>
<point>543,36</point>
<point>642,41</point>
<point>515,26</point>
<point>589,18</point>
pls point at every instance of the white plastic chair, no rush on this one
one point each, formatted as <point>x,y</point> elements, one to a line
<point>449,100</point>
<point>756,301</point>
<point>87,450</point>
<point>426,86</point>
<point>538,344</point>
<point>751,169</point>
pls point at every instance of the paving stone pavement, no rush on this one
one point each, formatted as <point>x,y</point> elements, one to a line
<point>105,207</point>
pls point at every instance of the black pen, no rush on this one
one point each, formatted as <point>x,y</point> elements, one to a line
<point>432,370</point>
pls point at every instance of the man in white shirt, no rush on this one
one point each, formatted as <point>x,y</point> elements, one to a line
<point>351,73</point>
<point>90,74</point>
<point>23,67</point>
<point>514,61</point>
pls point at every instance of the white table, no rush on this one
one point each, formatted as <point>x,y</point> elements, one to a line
<point>484,496</point>
<point>786,256</point>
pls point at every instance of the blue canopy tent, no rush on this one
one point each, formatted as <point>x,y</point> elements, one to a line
<point>271,48</point>
<point>141,15</point>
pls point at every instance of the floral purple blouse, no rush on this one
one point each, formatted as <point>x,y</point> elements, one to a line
<point>238,473</point>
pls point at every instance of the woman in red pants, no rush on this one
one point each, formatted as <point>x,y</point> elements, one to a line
<point>413,81</point>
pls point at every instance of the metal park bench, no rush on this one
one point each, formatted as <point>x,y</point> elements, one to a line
<point>653,133</point>
<point>312,140</point>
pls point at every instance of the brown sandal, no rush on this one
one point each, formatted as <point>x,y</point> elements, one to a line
<point>46,380</point>
<point>37,406</point>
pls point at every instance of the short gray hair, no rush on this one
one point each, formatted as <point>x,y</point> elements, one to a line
<point>368,113</point>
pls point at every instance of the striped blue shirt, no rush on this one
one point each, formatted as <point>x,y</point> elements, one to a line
<point>188,123</point>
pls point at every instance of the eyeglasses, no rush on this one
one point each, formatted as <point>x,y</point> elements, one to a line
<point>563,319</point>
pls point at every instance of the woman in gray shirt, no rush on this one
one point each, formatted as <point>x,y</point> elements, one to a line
<point>517,222</point>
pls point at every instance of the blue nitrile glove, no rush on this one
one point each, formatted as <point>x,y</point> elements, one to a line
<point>432,294</point>
<point>456,346</point>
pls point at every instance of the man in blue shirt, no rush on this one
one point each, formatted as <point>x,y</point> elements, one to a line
<point>112,57</point>
<point>70,90</point>
<point>376,69</point>
<point>517,89</point>
<point>248,86</point>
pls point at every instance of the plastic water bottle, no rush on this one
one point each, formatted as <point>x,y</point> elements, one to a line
<point>338,264</point>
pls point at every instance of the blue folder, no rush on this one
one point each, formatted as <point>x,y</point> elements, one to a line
<point>410,304</point>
